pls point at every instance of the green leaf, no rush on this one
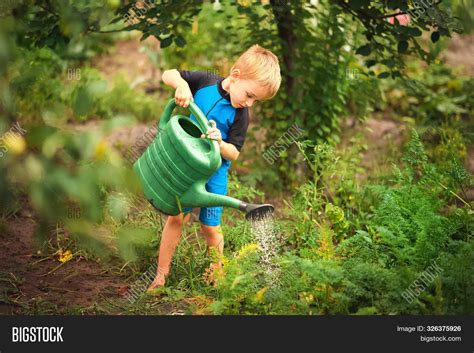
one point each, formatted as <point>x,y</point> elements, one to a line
<point>389,62</point>
<point>370,63</point>
<point>357,4</point>
<point>402,46</point>
<point>414,31</point>
<point>166,42</point>
<point>97,88</point>
<point>369,310</point>
<point>380,28</point>
<point>384,74</point>
<point>83,102</point>
<point>156,31</point>
<point>117,19</point>
<point>364,50</point>
<point>180,41</point>
<point>394,4</point>
<point>435,36</point>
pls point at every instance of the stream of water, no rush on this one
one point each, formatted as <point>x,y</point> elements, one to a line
<point>266,236</point>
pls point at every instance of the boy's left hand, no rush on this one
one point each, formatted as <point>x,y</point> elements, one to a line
<point>213,133</point>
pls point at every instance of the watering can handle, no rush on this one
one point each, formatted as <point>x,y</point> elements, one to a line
<point>202,120</point>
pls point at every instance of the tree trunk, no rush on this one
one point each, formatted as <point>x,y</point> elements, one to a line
<point>285,26</point>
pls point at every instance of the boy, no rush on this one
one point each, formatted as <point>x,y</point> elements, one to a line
<point>224,101</point>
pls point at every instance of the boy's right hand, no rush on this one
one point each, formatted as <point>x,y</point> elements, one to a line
<point>183,95</point>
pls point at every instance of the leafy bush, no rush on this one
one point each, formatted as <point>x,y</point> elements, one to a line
<point>329,269</point>
<point>432,95</point>
<point>43,92</point>
<point>92,97</point>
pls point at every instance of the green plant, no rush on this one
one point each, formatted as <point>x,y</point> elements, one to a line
<point>314,92</point>
<point>432,95</point>
<point>239,286</point>
<point>92,97</point>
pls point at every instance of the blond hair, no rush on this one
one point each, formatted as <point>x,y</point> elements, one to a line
<point>261,65</point>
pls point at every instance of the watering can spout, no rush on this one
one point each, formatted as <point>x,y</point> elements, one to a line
<point>198,196</point>
<point>256,212</point>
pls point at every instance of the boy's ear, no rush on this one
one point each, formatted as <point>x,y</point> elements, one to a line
<point>235,74</point>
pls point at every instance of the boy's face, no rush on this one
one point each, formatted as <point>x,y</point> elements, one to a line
<point>244,92</point>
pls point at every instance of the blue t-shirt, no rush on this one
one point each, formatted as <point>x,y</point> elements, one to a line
<point>215,104</point>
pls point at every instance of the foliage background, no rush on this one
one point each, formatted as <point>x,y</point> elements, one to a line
<point>357,220</point>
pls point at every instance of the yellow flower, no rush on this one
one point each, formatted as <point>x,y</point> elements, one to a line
<point>64,256</point>
<point>259,296</point>
<point>454,84</point>
<point>100,150</point>
<point>15,143</point>
<point>307,297</point>
<point>246,250</point>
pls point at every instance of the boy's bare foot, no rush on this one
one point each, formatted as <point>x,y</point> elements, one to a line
<point>158,282</point>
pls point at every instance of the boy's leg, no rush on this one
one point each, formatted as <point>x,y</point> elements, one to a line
<point>214,237</point>
<point>169,241</point>
<point>210,218</point>
<point>215,242</point>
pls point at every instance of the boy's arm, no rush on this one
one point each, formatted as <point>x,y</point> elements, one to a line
<point>236,135</point>
<point>228,151</point>
<point>183,94</point>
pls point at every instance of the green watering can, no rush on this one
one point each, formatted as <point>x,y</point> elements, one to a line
<point>176,166</point>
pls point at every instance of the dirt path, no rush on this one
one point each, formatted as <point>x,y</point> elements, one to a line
<point>460,53</point>
<point>31,281</point>
<point>129,58</point>
<point>383,138</point>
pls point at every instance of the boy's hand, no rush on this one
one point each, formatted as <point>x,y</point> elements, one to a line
<point>183,95</point>
<point>213,133</point>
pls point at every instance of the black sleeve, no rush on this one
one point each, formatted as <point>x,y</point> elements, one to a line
<point>238,129</point>
<point>195,79</point>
